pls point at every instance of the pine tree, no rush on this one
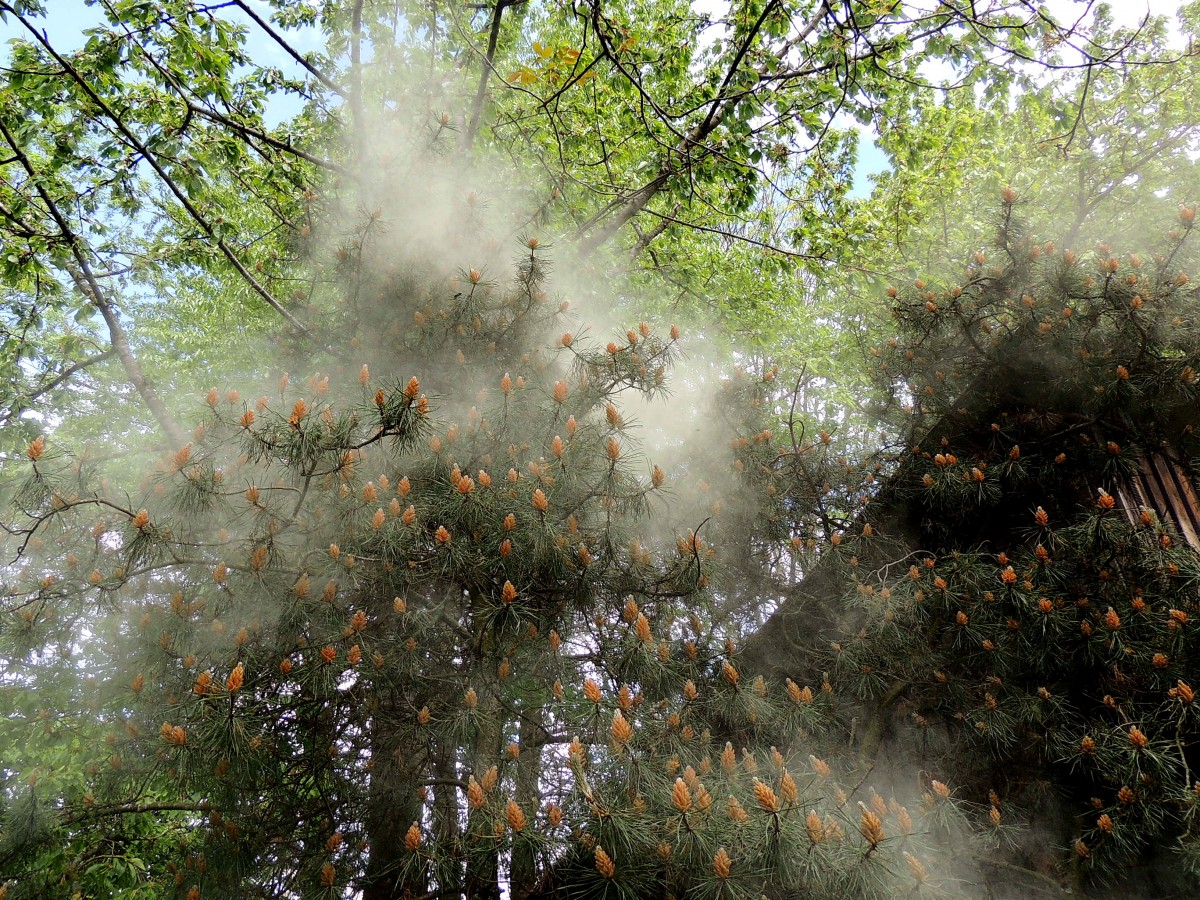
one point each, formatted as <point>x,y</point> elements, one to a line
<point>420,621</point>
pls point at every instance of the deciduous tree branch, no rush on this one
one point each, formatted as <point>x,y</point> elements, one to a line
<point>152,160</point>
<point>290,50</point>
<point>64,376</point>
<point>89,286</point>
<point>489,57</point>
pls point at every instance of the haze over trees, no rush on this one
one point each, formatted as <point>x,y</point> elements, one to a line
<point>530,469</point>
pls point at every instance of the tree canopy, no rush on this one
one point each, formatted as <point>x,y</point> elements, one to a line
<point>501,454</point>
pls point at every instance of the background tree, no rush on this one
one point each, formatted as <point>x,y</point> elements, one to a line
<point>1016,606</point>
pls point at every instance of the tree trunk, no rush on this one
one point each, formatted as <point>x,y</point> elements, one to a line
<point>523,878</point>
<point>482,851</point>
<point>446,828</point>
<point>392,805</point>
